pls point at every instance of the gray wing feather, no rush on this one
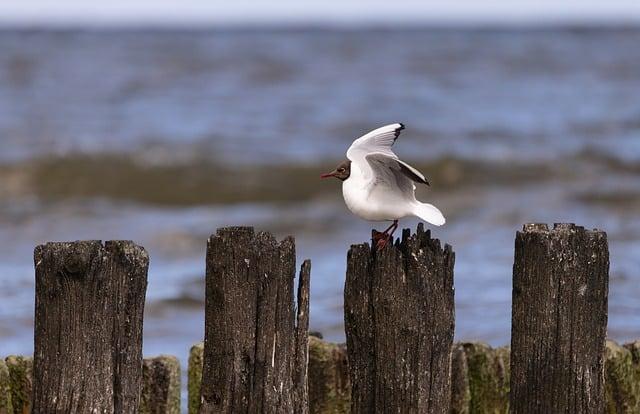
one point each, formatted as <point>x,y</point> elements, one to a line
<point>389,172</point>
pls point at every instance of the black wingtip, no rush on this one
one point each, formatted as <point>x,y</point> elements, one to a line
<point>397,131</point>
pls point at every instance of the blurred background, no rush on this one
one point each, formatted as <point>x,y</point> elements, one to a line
<point>162,121</point>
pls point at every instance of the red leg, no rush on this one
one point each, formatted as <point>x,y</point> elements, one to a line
<point>381,236</point>
<point>395,223</point>
<point>389,237</point>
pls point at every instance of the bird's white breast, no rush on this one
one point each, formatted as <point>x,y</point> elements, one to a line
<point>358,196</point>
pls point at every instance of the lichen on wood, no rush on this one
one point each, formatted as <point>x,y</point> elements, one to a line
<point>21,382</point>
<point>622,379</point>
<point>195,377</point>
<point>488,373</point>
<point>329,387</point>
<point>5,389</point>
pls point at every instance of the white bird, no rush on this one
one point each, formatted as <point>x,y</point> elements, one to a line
<point>378,186</point>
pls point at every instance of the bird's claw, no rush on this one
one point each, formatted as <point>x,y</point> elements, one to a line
<point>382,242</point>
<point>377,236</point>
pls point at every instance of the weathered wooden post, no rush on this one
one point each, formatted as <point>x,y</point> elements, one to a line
<point>5,389</point>
<point>195,377</point>
<point>21,382</point>
<point>559,320</point>
<point>399,321</point>
<point>255,349</point>
<point>88,327</point>
<point>329,387</point>
<point>161,385</point>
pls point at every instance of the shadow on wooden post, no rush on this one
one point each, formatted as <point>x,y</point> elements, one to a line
<point>255,349</point>
<point>399,322</point>
<point>559,320</point>
<point>88,327</point>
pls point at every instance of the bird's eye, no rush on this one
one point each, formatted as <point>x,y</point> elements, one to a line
<point>340,169</point>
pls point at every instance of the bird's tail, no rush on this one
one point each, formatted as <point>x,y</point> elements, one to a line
<point>429,213</point>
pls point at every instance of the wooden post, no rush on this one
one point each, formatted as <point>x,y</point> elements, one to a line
<point>460,389</point>
<point>559,320</point>
<point>399,321</point>
<point>5,389</point>
<point>88,327</point>
<point>21,382</point>
<point>161,385</point>
<point>622,378</point>
<point>195,377</point>
<point>255,348</point>
<point>329,387</point>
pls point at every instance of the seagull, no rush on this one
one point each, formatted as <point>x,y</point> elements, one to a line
<point>378,186</point>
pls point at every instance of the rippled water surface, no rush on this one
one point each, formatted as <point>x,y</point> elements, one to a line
<point>161,137</point>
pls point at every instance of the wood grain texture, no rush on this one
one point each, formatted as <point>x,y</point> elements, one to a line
<point>88,327</point>
<point>559,320</point>
<point>399,321</point>
<point>255,348</point>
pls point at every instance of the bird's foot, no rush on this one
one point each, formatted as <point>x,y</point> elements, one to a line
<point>376,236</point>
<point>382,242</point>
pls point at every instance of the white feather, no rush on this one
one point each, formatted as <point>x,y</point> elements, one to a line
<point>377,188</point>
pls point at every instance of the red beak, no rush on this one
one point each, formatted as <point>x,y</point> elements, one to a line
<point>327,175</point>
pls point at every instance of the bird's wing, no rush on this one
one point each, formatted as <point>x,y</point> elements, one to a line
<point>390,172</point>
<point>379,140</point>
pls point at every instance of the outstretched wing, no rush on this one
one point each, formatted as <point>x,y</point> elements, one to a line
<point>379,142</point>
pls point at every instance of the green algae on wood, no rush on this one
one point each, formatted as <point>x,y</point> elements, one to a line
<point>5,389</point>
<point>460,392</point>
<point>622,380</point>
<point>329,388</point>
<point>488,373</point>
<point>21,382</point>
<point>160,385</point>
<point>195,377</point>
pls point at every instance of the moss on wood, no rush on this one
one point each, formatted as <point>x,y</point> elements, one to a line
<point>5,389</point>
<point>21,382</point>
<point>488,372</point>
<point>329,388</point>
<point>622,382</point>
<point>195,376</point>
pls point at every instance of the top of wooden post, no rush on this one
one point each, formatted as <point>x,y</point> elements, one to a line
<point>558,228</point>
<point>420,239</point>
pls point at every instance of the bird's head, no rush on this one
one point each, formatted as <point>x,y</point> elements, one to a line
<point>341,172</point>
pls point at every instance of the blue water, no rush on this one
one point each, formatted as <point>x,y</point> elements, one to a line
<point>515,126</point>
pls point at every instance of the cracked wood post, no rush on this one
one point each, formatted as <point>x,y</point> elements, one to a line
<point>559,320</point>
<point>88,327</point>
<point>256,341</point>
<point>399,321</point>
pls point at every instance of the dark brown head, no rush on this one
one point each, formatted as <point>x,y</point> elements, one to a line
<point>341,172</point>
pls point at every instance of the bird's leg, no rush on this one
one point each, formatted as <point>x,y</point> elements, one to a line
<point>388,237</point>
<point>377,236</point>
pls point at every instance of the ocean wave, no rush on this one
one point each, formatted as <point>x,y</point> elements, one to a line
<point>207,182</point>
